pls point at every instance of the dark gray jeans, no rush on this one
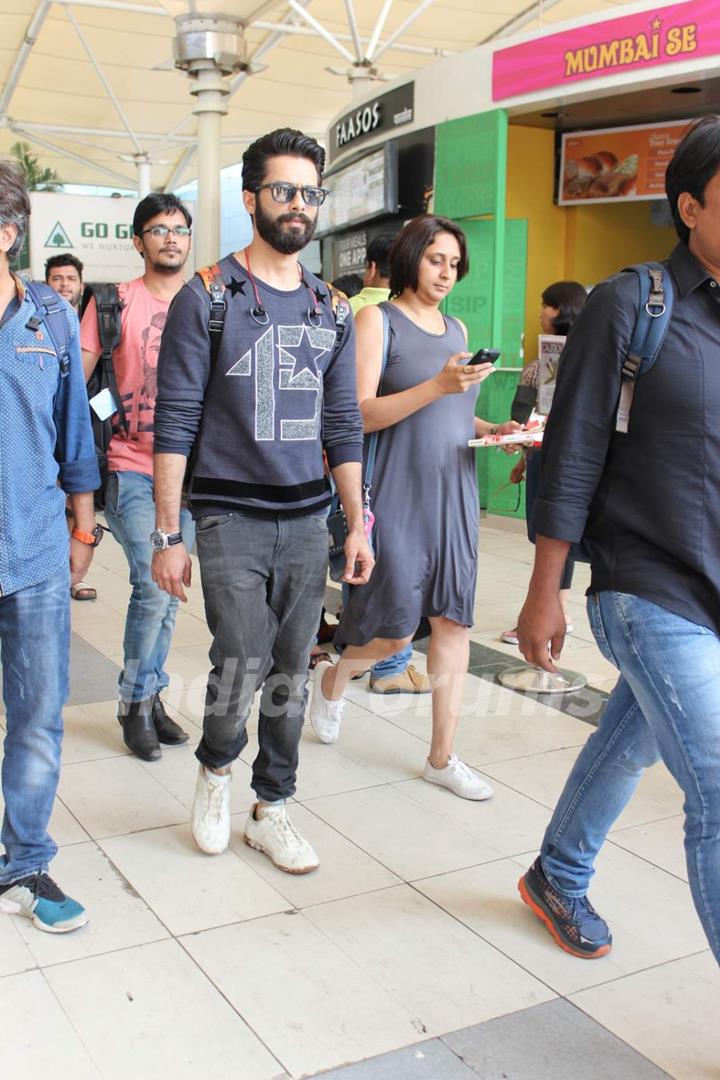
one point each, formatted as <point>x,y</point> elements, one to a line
<point>263,581</point>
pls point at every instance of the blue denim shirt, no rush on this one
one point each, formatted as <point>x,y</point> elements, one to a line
<point>45,437</point>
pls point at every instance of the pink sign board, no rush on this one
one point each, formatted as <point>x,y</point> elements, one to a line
<point>661,35</point>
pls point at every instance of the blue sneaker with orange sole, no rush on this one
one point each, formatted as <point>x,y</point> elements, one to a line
<point>37,897</point>
<point>572,920</point>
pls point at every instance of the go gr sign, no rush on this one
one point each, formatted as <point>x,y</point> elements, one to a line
<point>97,229</point>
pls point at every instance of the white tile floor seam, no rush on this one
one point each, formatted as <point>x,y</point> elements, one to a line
<point>412,927</point>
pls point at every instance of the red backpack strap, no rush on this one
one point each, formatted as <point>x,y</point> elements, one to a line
<point>211,278</point>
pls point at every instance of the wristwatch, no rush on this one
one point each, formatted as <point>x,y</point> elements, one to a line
<point>92,539</point>
<point>161,540</point>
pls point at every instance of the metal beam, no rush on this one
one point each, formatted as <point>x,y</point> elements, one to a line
<point>31,35</point>
<point>389,43</point>
<point>379,25</point>
<point>116,5</point>
<point>352,23</point>
<point>321,30</point>
<point>35,138</point>
<point>306,31</point>
<point>101,75</point>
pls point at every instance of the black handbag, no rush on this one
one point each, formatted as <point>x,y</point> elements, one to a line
<point>337,522</point>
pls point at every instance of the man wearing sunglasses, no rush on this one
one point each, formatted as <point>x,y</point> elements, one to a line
<point>162,231</point>
<point>279,391</point>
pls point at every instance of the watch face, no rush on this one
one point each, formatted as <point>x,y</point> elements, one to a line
<point>158,540</point>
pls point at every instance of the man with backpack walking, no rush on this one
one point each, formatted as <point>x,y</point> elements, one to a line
<point>257,377</point>
<point>162,232</point>
<point>46,452</point>
<point>631,466</point>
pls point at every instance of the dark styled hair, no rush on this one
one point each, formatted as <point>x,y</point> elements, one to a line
<point>693,165</point>
<point>157,202</point>
<point>14,203</point>
<point>409,245</point>
<point>568,297</point>
<point>350,284</point>
<point>282,141</point>
<point>63,260</point>
<point>378,251</point>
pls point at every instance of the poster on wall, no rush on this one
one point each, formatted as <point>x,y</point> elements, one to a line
<point>624,164</point>
<point>358,192</point>
<point>97,229</point>
<point>549,348</point>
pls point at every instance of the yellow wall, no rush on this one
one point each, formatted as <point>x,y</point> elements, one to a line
<point>530,179</point>
<point>584,243</point>
<point>600,240</point>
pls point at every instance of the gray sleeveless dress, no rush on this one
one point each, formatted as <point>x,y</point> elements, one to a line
<point>424,497</point>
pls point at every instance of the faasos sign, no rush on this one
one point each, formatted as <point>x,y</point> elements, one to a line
<point>659,35</point>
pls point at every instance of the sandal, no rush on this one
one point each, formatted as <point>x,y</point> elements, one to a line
<point>318,658</point>
<point>82,591</point>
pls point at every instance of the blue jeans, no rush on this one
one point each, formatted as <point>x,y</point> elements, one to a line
<point>666,706</point>
<point>263,582</point>
<point>391,665</point>
<point>35,643</point>
<point>130,513</point>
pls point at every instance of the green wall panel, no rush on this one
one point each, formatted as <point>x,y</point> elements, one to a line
<point>467,152</point>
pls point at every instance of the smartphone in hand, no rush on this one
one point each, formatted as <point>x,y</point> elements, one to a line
<point>484,356</point>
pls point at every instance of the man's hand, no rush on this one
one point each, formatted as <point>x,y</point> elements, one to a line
<point>80,559</point>
<point>171,569</point>
<point>359,560</point>
<point>517,474</point>
<point>541,622</point>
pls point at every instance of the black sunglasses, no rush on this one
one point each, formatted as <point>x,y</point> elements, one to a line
<point>282,192</point>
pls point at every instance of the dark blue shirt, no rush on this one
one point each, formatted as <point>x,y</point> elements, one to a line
<point>647,502</point>
<point>45,438</point>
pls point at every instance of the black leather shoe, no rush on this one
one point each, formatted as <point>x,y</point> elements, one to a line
<point>139,732</point>
<point>168,732</point>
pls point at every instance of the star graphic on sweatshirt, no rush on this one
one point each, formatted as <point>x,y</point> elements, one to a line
<point>236,286</point>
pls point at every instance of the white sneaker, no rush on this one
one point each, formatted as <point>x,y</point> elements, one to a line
<point>458,778</point>
<point>325,716</point>
<point>274,834</point>
<point>210,819</point>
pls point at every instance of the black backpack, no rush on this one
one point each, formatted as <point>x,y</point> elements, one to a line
<point>109,307</point>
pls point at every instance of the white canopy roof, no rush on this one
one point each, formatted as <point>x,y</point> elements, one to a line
<point>92,83</point>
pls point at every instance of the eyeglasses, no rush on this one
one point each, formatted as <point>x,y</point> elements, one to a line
<point>161,231</point>
<point>283,192</point>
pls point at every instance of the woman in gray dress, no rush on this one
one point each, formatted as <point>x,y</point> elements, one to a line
<point>424,492</point>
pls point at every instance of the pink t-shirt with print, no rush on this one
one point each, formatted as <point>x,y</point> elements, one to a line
<point>135,362</point>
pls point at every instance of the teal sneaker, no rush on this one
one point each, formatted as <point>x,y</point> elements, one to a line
<point>37,897</point>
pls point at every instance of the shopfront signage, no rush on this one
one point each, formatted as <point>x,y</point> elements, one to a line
<point>384,113</point>
<point>661,35</point>
<point>617,164</point>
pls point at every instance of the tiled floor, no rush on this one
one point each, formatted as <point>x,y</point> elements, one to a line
<point>408,953</point>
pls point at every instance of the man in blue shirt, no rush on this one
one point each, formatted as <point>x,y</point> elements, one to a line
<point>46,452</point>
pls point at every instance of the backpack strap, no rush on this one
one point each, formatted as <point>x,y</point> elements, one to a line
<point>215,287</point>
<point>651,327</point>
<point>50,311</point>
<point>340,306</point>
<point>109,321</point>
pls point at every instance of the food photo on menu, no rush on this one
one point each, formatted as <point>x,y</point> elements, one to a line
<point>617,164</point>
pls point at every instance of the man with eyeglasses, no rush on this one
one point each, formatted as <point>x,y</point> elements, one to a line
<point>280,390</point>
<point>162,231</point>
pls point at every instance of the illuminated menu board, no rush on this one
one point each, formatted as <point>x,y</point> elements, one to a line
<point>358,192</point>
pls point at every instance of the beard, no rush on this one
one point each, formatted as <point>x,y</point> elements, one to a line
<point>285,241</point>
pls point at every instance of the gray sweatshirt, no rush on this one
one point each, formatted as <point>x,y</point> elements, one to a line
<point>278,394</point>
